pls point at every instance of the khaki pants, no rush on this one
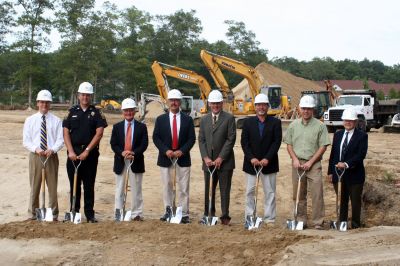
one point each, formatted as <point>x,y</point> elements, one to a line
<point>312,180</point>
<point>182,188</point>
<point>135,183</point>
<point>35,181</point>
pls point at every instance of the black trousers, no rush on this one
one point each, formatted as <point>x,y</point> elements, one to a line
<point>86,175</point>
<point>352,192</point>
<point>224,178</point>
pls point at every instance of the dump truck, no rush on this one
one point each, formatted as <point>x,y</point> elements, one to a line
<point>371,111</point>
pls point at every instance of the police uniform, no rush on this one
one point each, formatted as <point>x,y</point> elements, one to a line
<point>82,127</point>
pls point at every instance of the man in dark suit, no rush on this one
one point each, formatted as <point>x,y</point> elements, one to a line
<point>217,136</point>
<point>174,137</point>
<point>348,152</point>
<point>261,139</point>
<point>129,140</point>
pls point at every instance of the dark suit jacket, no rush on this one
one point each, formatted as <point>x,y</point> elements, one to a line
<point>140,142</point>
<point>162,138</point>
<point>261,147</point>
<point>218,141</point>
<point>354,157</point>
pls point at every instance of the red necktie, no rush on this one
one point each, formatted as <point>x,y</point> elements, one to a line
<point>128,138</point>
<point>174,134</point>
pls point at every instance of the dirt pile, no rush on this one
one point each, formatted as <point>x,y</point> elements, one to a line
<point>270,75</point>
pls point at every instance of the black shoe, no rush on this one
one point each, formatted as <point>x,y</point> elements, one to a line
<point>167,215</point>
<point>92,220</point>
<point>185,220</point>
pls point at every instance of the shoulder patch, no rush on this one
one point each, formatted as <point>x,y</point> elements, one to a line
<point>102,114</point>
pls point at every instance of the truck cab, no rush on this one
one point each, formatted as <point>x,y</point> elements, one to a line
<point>362,103</point>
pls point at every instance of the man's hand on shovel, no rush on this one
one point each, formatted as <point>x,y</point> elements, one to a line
<point>128,155</point>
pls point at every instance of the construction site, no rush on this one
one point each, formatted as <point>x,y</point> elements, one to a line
<point>152,242</point>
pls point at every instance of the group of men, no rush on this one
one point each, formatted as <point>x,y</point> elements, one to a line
<point>174,136</point>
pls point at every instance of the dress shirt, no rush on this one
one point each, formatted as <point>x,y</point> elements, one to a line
<point>31,132</point>
<point>178,122</point>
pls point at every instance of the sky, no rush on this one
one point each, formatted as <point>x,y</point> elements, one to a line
<point>303,29</point>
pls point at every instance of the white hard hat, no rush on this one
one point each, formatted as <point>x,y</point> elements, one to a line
<point>128,103</point>
<point>215,96</point>
<point>44,95</point>
<point>174,94</point>
<point>261,98</point>
<point>85,87</point>
<point>349,114</point>
<point>307,101</point>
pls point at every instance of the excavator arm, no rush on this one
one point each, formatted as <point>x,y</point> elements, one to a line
<point>161,71</point>
<point>213,63</point>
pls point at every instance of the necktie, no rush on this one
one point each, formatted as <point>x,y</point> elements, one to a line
<point>43,134</point>
<point>344,146</point>
<point>174,134</point>
<point>214,120</point>
<point>128,138</point>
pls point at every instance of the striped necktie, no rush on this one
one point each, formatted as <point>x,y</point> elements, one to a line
<point>344,146</point>
<point>43,134</point>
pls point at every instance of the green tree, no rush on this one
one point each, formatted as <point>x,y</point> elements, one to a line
<point>380,95</point>
<point>7,13</point>
<point>32,38</point>
<point>393,94</point>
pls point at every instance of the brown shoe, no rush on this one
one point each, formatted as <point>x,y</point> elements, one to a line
<point>225,221</point>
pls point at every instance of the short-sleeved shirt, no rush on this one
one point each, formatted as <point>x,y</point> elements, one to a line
<point>306,139</point>
<point>82,125</point>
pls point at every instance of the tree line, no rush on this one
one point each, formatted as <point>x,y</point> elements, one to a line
<point>114,49</point>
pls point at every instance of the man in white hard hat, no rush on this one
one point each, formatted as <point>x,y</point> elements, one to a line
<point>217,136</point>
<point>307,140</point>
<point>174,137</point>
<point>42,136</point>
<point>129,141</point>
<point>83,130</point>
<point>261,139</point>
<point>349,148</point>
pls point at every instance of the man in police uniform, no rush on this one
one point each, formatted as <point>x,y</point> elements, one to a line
<point>83,130</point>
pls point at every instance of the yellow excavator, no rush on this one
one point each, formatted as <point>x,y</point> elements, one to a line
<point>242,107</point>
<point>163,88</point>
<point>161,70</point>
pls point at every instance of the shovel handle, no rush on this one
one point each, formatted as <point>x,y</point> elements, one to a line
<point>43,187</point>
<point>258,171</point>
<point>300,176</point>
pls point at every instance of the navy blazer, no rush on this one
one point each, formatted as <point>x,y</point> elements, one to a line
<point>261,147</point>
<point>162,138</point>
<point>354,157</point>
<point>140,142</point>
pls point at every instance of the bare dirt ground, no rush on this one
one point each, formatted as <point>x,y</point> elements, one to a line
<point>152,242</point>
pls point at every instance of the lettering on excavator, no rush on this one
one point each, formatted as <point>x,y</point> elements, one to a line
<point>227,65</point>
<point>184,76</point>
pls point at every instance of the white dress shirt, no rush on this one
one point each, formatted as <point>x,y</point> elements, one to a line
<point>31,132</point>
<point>348,140</point>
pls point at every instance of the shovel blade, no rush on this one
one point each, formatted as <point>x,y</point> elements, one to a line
<point>67,217</point>
<point>333,225</point>
<point>176,219</point>
<point>211,221</point>
<point>128,216</point>
<point>49,215</point>
<point>77,219</point>
<point>300,225</point>
<point>254,224</point>
<point>40,214</point>
<point>343,226</point>
<point>291,224</point>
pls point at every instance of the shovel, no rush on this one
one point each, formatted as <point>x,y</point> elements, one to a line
<point>210,220</point>
<point>338,225</point>
<point>294,224</point>
<point>177,217</point>
<point>43,213</point>
<point>74,216</point>
<point>253,220</point>
<point>122,215</point>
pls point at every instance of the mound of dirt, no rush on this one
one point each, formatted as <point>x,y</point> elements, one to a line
<point>270,75</point>
<point>173,244</point>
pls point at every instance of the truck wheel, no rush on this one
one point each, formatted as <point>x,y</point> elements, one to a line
<point>109,107</point>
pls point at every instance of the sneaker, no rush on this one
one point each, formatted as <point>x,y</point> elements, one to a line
<point>185,220</point>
